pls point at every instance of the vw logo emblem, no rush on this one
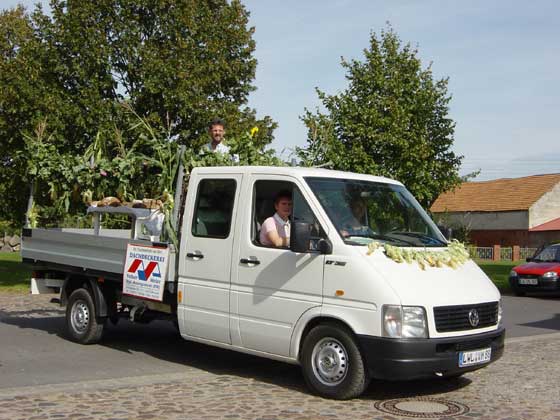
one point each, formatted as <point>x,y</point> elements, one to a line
<point>474,319</point>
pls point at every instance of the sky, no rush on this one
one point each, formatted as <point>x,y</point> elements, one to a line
<point>501,58</point>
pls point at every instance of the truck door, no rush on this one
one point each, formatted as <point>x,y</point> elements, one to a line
<point>272,287</point>
<point>206,249</point>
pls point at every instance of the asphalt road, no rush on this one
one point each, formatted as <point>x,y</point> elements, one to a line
<point>526,316</point>
<point>34,350</point>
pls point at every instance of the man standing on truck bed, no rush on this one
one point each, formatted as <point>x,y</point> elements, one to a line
<point>216,131</point>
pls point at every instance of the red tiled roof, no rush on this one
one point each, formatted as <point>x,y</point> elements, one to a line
<point>552,225</point>
<point>504,194</point>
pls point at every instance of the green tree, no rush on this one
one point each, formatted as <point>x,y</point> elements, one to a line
<point>180,64</point>
<point>176,64</point>
<point>29,95</point>
<point>391,120</point>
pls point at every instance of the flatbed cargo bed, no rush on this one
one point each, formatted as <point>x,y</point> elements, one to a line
<point>79,248</point>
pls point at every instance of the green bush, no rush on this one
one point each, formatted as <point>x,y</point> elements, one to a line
<point>8,228</point>
<point>14,275</point>
<point>498,271</point>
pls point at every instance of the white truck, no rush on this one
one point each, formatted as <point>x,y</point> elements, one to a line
<point>328,303</point>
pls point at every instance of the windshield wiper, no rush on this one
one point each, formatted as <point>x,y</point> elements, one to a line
<point>421,236</point>
<point>381,237</point>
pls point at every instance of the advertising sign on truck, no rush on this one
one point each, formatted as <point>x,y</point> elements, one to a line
<point>146,267</point>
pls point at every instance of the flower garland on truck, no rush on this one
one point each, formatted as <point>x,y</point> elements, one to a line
<point>455,255</point>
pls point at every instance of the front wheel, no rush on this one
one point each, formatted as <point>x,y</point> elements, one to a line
<point>332,363</point>
<point>81,322</point>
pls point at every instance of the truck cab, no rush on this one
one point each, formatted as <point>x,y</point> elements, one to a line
<point>325,302</point>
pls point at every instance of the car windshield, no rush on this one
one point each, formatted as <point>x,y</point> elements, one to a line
<point>364,211</point>
<point>548,254</point>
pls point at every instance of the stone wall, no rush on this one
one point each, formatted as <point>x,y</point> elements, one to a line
<point>509,238</point>
<point>501,237</point>
<point>10,243</point>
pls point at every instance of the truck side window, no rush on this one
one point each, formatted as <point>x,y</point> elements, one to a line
<point>213,208</point>
<point>263,207</point>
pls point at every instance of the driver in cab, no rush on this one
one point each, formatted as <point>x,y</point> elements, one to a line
<point>275,230</point>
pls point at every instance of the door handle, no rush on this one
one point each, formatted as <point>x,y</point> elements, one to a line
<point>247,261</point>
<point>195,256</point>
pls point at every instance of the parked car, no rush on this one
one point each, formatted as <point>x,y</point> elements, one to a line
<point>540,274</point>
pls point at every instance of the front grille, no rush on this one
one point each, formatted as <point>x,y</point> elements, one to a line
<point>456,318</point>
<point>463,346</point>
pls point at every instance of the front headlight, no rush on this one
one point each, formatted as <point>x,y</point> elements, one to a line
<point>404,322</point>
<point>550,275</point>
<point>513,273</point>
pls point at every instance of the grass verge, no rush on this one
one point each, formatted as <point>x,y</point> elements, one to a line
<point>498,272</point>
<point>14,276</point>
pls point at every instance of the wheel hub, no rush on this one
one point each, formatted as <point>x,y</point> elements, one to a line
<point>80,316</point>
<point>330,361</point>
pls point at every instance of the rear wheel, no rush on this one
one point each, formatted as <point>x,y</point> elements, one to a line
<point>332,364</point>
<point>81,322</point>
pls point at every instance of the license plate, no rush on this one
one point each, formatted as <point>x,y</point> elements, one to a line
<point>524,280</point>
<point>475,357</point>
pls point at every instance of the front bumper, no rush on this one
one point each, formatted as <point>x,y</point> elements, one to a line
<point>406,359</point>
<point>544,285</point>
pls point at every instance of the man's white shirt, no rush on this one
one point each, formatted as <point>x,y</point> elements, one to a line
<point>285,224</point>
<point>221,148</point>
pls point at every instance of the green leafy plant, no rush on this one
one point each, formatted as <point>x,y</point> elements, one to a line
<point>178,66</point>
<point>144,168</point>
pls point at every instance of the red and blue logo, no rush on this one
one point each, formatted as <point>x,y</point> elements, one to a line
<point>144,272</point>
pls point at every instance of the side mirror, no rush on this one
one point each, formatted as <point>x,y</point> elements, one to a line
<point>300,235</point>
<point>324,246</point>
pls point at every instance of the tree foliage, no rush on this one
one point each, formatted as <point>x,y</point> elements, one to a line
<point>65,77</point>
<point>391,120</point>
<point>180,63</point>
<point>64,182</point>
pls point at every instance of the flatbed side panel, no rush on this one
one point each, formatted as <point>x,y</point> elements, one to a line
<point>103,253</point>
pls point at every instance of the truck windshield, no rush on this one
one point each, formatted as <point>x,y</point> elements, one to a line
<point>364,211</point>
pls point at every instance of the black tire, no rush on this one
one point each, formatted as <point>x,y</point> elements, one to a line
<point>82,324</point>
<point>332,364</point>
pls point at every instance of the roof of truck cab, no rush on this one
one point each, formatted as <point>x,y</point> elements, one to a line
<point>295,171</point>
